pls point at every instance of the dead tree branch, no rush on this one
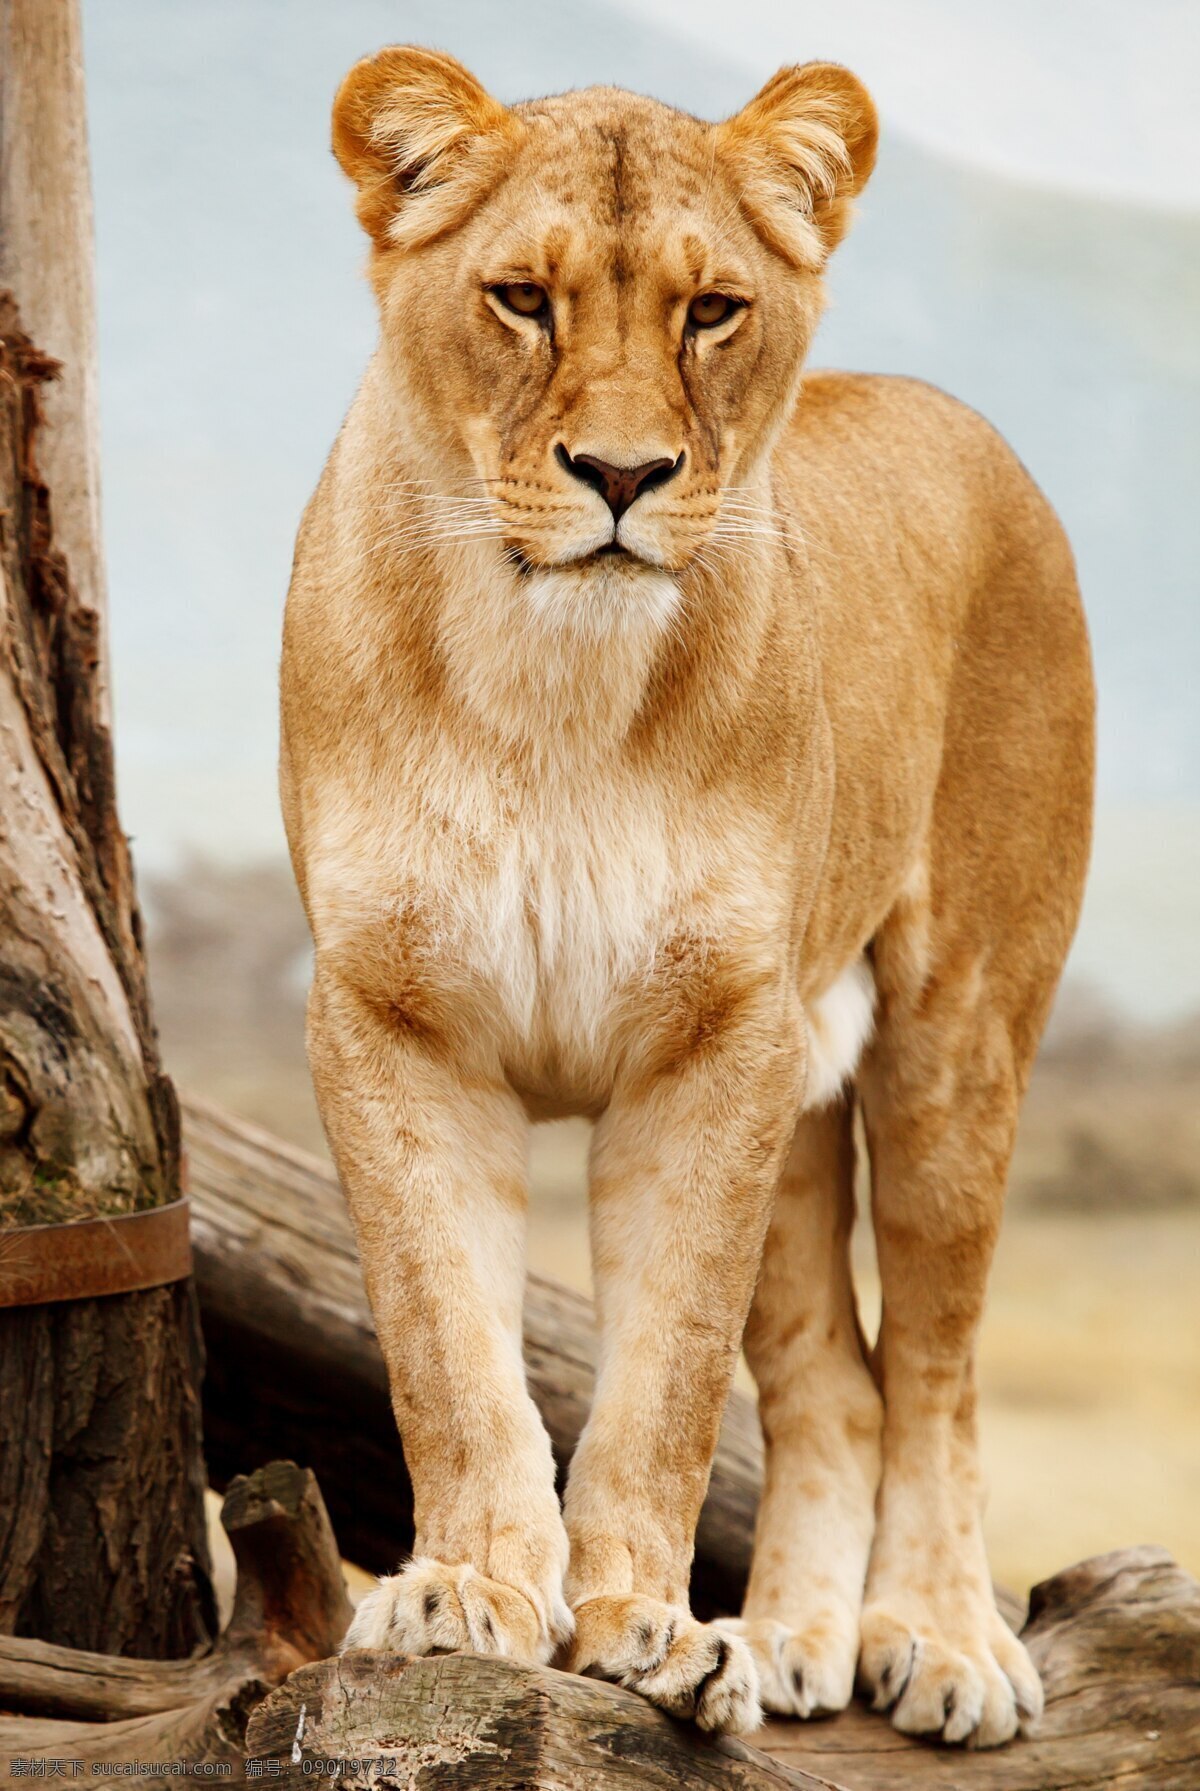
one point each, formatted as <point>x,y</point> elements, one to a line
<point>290,1607</point>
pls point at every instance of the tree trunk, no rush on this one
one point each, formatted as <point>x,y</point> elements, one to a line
<point>290,1607</point>
<point>46,260</point>
<point>102,1541</point>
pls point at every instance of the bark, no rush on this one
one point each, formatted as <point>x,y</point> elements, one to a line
<point>465,1720</point>
<point>290,1607</point>
<point>46,258</point>
<point>294,1367</point>
<point>1117,1640</point>
<point>102,1540</point>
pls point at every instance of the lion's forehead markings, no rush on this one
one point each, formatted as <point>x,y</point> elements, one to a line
<point>619,177</point>
<point>636,161</point>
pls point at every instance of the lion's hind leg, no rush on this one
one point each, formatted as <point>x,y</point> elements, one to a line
<point>821,1417</point>
<point>940,1098</point>
<point>965,968</point>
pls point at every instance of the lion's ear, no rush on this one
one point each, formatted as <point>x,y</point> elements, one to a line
<point>800,151</point>
<point>422,141</point>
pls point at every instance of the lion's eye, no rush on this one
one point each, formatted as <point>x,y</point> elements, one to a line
<point>711,308</point>
<point>523,297</point>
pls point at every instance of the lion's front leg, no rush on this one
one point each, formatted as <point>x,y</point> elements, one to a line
<point>684,1168</point>
<point>431,1152</point>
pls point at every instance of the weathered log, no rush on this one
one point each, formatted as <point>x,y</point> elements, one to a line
<point>1117,1640</point>
<point>464,1720</point>
<point>102,1539</point>
<point>290,1607</point>
<point>294,1368</point>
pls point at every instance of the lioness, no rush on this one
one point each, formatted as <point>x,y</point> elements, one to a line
<point>676,740</point>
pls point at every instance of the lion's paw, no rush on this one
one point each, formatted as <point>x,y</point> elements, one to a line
<point>687,1668</point>
<point>431,1608</point>
<point>801,1672</point>
<point>975,1684</point>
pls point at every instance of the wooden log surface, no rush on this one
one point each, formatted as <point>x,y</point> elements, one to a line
<point>290,1607</point>
<point>1117,1640</point>
<point>294,1368</point>
<point>465,1720</point>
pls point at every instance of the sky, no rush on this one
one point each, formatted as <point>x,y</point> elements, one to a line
<point>1101,96</point>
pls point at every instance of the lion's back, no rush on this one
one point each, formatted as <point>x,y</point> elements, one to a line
<point>953,646</point>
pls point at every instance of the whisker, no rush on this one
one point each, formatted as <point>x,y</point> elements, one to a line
<point>747,531</point>
<point>446,519</point>
<point>428,537</point>
<point>407,540</point>
<point>432,498</point>
<point>426,487</point>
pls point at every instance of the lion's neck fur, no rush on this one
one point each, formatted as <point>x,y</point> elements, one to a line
<point>560,666</point>
<point>535,679</point>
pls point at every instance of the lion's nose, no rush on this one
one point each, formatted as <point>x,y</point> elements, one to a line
<point>617,485</point>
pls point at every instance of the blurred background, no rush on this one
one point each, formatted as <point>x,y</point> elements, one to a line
<point>1031,242</point>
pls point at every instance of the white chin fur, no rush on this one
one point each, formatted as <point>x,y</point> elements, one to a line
<point>602,598</point>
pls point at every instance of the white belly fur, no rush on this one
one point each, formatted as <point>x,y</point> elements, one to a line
<point>839,1025</point>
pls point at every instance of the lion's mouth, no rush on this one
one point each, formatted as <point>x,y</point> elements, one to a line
<point>612,550</point>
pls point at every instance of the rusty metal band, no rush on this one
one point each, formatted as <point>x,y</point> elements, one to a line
<point>85,1258</point>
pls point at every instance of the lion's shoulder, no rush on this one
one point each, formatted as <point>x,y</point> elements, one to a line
<point>902,446</point>
<point>898,403</point>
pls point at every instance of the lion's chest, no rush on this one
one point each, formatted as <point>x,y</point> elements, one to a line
<point>545,911</point>
<point>568,922</point>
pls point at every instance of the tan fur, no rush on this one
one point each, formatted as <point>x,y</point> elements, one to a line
<point>667,838</point>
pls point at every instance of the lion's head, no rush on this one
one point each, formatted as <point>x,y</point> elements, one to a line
<point>596,308</point>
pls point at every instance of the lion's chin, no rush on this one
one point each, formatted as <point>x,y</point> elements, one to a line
<point>603,595</point>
